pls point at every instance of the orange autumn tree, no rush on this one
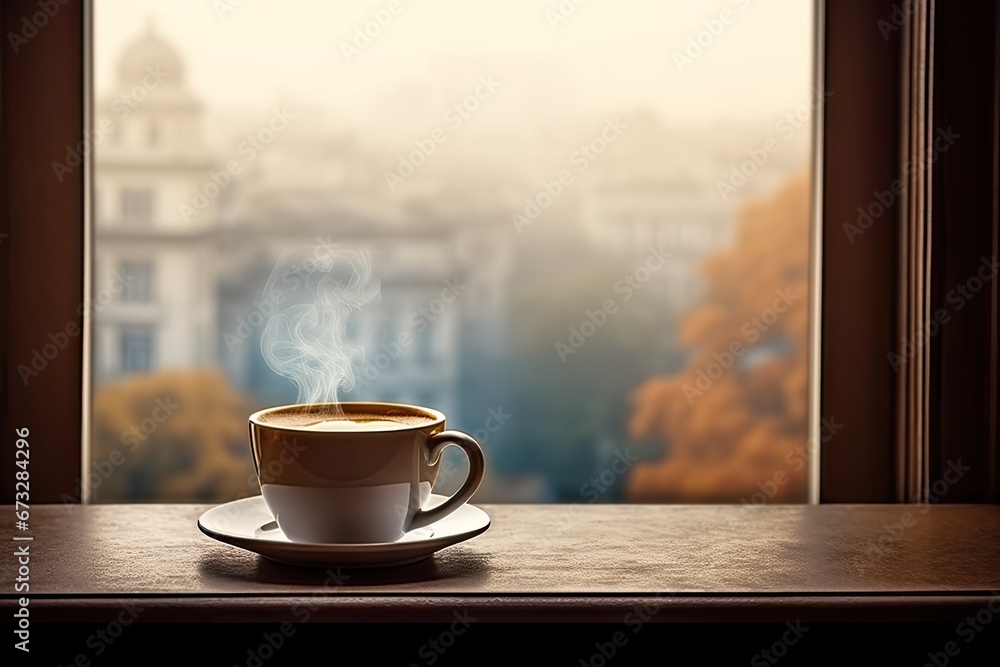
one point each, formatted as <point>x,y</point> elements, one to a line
<point>170,436</point>
<point>732,431</point>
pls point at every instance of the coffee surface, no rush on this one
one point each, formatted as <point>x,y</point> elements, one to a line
<point>353,425</point>
<point>349,420</point>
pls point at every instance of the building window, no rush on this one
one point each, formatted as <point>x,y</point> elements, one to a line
<point>138,282</point>
<point>137,350</point>
<point>137,205</point>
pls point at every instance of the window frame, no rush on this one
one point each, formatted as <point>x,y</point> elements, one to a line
<point>895,83</point>
<point>860,148</point>
<point>42,116</point>
<point>857,289</point>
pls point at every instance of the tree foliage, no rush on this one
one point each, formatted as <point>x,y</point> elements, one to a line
<point>171,436</point>
<point>744,431</point>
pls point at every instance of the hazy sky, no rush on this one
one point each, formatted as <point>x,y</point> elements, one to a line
<point>618,53</point>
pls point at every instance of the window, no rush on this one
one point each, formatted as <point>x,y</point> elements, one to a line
<point>136,350</point>
<point>137,205</point>
<point>138,282</point>
<point>862,141</point>
<point>497,122</point>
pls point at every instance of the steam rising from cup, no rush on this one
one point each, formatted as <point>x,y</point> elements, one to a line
<point>315,292</point>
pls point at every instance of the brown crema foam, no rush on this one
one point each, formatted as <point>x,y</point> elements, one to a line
<point>302,416</point>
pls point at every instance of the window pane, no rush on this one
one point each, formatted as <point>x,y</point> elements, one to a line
<point>590,228</point>
<point>137,350</point>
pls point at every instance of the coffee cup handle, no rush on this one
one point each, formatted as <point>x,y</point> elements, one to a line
<point>477,469</point>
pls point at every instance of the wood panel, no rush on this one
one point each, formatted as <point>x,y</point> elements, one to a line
<point>537,561</point>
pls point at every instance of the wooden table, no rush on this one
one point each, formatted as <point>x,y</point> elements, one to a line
<point>536,563</point>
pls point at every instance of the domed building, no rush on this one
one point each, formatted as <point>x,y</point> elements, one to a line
<point>187,261</point>
<point>195,264</point>
<point>154,252</point>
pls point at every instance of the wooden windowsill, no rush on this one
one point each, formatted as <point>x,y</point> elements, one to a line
<point>536,563</point>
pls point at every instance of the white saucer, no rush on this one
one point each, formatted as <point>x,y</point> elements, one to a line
<point>248,524</point>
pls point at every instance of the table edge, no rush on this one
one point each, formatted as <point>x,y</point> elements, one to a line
<point>511,608</point>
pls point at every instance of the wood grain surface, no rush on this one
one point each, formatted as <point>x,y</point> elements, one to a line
<point>543,562</point>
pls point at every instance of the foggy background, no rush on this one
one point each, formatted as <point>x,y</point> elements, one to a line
<point>552,156</point>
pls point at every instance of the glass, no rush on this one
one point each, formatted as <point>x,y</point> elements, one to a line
<point>137,205</point>
<point>138,288</point>
<point>137,350</point>
<point>590,224</point>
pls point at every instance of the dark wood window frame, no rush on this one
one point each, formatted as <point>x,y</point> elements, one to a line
<point>894,83</point>
<point>900,357</point>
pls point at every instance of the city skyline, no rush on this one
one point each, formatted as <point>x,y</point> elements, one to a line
<point>532,225</point>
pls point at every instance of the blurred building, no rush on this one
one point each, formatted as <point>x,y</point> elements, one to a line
<point>186,257</point>
<point>196,257</point>
<point>631,217</point>
<point>155,260</point>
<point>653,189</point>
